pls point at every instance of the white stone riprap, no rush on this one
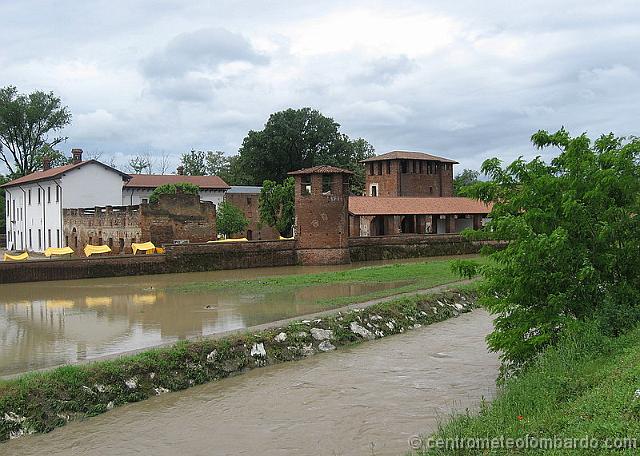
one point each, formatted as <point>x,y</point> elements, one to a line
<point>359,330</point>
<point>321,334</point>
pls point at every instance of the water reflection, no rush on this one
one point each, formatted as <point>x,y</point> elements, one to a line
<point>52,323</point>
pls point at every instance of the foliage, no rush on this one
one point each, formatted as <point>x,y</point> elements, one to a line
<point>172,189</point>
<point>299,138</point>
<point>230,219</point>
<point>583,386</point>
<point>26,121</point>
<point>276,205</point>
<point>465,178</point>
<point>214,163</point>
<point>574,242</point>
<point>42,401</point>
<point>138,164</point>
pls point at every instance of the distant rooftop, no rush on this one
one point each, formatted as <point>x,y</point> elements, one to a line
<point>156,180</point>
<point>56,172</point>
<point>378,205</point>
<point>321,169</point>
<point>244,189</point>
<point>408,155</point>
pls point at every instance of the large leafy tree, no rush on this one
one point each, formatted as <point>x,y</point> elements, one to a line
<point>465,178</point>
<point>573,232</point>
<point>276,205</point>
<point>230,219</point>
<point>26,125</point>
<point>298,138</point>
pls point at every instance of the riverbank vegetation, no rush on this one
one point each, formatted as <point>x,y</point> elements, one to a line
<point>401,278</point>
<point>42,401</point>
<point>565,292</point>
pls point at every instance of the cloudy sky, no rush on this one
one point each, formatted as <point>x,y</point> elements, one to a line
<point>463,79</point>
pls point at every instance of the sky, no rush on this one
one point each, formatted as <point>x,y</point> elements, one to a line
<point>467,80</point>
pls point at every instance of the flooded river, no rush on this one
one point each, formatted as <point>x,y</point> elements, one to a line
<point>375,395</point>
<point>52,323</point>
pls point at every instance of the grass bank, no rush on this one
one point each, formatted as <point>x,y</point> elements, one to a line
<point>408,277</point>
<point>42,401</point>
<point>586,387</point>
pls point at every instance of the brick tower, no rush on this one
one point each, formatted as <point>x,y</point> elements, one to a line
<point>322,215</point>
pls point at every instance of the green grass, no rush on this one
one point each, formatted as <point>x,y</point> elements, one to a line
<point>408,277</point>
<point>583,387</point>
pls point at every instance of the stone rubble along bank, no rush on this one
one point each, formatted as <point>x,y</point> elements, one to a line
<point>40,402</point>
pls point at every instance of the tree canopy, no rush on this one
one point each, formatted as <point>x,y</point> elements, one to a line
<point>299,138</point>
<point>214,163</point>
<point>465,178</point>
<point>172,189</point>
<point>276,205</point>
<point>26,123</point>
<point>230,219</point>
<point>573,232</point>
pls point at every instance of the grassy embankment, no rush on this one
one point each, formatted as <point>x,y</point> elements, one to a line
<point>588,385</point>
<point>41,401</point>
<point>407,276</point>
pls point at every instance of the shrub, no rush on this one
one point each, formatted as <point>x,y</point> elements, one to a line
<point>172,189</point>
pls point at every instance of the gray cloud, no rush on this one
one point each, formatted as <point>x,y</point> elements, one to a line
<point>201,50</point>
<point>464,79</point>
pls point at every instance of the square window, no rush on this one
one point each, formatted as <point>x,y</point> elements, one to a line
<point>306,185</point>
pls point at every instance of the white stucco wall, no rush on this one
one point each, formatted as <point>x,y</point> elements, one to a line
<point>91,185</point>
<point>131,196</point>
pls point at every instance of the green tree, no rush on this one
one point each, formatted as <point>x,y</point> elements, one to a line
<point>276,205</point>
<point>139,164</point>
<point>172,189</point>
<point>230,219</point>
<point>214,163</point>
<point>465,178</point>
<point>194,163</point>
<point>295,139</point>
<point>26,122</point>
<point>573,233</point>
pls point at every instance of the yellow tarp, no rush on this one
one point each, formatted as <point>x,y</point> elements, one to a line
<point>91,249</point>
<point>286,239</point>
<point>58,251</point>
<point>21,257</point>
<point>228,240</point>
<point>160,250</point>
<point>144,246</point>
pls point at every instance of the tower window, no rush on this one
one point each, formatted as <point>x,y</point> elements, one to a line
<point>306,185</point>
<point>327,180</point>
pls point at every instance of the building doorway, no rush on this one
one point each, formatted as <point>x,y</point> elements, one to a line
<point>376,227</point>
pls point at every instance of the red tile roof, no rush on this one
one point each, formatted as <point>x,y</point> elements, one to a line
<point>407,155</point>
<point>56,172</point>
<point>321,169</point>
<point>155,180</point>
<point>378,205</point>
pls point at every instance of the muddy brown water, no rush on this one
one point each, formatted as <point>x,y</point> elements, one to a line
<point>47,324</point>
<point>368,399</point>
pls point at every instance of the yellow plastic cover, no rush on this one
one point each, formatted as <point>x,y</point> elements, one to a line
<point>285,239</point>
<point>228,240</point>
<point>91,249</point>
<point>58,251</point>
<point>20,257</point>
<point>143,246</point>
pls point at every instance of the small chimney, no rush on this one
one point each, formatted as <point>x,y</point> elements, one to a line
<point>77,156</point>
<point>180,170</point>
<point>46,163</point>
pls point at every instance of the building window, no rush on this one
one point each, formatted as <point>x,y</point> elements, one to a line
<point>48,194</point>
<point>431,190</point>
<point>121,245</point>
<point>49,238</point>
<point>388,166</point>
<point>371,169</point>
<point>327,180</point>
<point>66,240</point>
<point>39,199</point>
<point>421,167</point>
<point>414,163</point>
<point>30,240</point>
<point>145,200</point>
<point>306,185</point>
<point>248,201</point>
<point>379,168</point>
<point>57,193</point>
<point>39,239</point>
<point>29,196</point>
<point>373,190</point>
<point>110,243</point>
<point>404,167</point>
<point>57,238</point>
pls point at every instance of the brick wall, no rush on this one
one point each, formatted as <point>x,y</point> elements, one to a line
<point>116,226</point>
<point>419,183</point>
<point>248,203</point>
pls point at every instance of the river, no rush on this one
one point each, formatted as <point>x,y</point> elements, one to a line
<point>48,324</point>
<point>368,399</point>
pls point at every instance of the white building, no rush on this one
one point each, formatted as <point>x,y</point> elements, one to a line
<point>139,188</point>
<point>34,215</point>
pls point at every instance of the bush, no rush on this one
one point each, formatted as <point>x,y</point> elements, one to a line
<point>172,189</point>
<point>230,219</point>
